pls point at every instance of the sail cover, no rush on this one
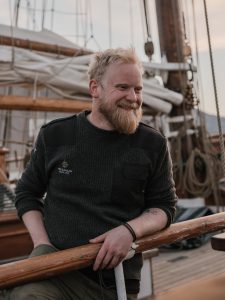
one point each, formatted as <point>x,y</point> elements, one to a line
<point>65,76</point>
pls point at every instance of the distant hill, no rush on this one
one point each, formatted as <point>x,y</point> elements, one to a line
<point>212,123</point>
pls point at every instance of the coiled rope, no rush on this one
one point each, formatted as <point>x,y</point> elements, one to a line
<point>199,173</point>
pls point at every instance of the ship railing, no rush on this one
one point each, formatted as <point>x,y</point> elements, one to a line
<point>45,266</point>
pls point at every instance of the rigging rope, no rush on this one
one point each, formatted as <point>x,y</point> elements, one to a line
<point>147,19</point>
<point>44,4</point>
<point>131,22</point>
<point>202,130</point>
<point>186,20</point>
<point>110,22</point>
<point>52,14</point>
<point>91,30</point>
<point>215,90</point>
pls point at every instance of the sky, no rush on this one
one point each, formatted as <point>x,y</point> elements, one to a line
<point>115,23</point>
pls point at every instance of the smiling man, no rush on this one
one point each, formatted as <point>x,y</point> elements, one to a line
<point>118,97</point>
<point>106,178</point>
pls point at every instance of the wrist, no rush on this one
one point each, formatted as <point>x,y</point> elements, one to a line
<point>131,230</point>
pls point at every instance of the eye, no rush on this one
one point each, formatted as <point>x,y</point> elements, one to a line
<point>138,90</point>
<point>122,87</point>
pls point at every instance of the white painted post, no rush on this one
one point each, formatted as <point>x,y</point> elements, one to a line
<point>120,282</point>
<point>119,275</point>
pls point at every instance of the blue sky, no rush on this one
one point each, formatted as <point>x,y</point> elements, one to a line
<point>127,29</point>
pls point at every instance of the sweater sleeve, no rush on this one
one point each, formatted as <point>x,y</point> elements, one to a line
<point>32,185</point>
<point>160,190</point>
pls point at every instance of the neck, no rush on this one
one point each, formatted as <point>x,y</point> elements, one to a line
<point>98,120</point>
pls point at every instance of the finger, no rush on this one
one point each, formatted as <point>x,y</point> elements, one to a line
<point>114,262</point>
<point>108,257</point>
<point>98,239</point>
<point>99,259</point>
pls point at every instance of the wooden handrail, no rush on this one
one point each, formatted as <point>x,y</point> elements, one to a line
<point>67,260</point>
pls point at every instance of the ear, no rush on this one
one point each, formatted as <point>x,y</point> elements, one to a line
<point>93,88</point>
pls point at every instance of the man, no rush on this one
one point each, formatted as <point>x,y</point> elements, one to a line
<point>107,179</point>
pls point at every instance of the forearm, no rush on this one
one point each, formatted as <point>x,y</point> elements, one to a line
<point>151,221</point>
<point>117,242</point>
<point>33,220</point>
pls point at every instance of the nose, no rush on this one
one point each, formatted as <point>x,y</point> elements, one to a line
<point>132,96</point>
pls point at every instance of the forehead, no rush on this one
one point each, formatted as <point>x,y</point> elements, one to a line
<point>123,73</point>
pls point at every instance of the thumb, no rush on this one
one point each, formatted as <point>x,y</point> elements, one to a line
<point>98,239</point>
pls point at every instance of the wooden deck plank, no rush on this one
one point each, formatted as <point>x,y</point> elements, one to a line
<point>175,267</point>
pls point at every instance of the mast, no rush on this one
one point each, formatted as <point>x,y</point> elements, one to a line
<point>174,49</point>
<point>172,40</point>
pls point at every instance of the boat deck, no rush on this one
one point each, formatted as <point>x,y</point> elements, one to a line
<point>172,268</point>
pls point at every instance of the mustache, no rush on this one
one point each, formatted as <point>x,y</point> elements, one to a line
<point>127,104</point>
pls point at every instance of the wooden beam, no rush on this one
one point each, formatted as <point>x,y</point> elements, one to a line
<point>31,45</point>
<point>13,102</point>
<point>218,242</point>
<point>67,260</point>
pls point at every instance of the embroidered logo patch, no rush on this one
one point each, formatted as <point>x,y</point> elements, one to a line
<point>63,169</point>
<point>65,164</point>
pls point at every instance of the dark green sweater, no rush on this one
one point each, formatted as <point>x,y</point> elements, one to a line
<point>95,180</point>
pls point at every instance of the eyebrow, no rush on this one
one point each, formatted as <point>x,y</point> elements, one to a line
<point>127,85</point>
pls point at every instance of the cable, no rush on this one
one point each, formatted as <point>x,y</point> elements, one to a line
<point>131,22</point>
<point>44,4</point>
<point>110,23</point>
<point>215,89</point>
<point>91,37</point>
<point>50,11</point>
<point>146,14</point>
<point>52,14</point>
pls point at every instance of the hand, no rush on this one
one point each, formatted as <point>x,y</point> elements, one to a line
<point>116,244</point>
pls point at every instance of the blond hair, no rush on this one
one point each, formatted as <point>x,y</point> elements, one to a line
<point>100,61</point>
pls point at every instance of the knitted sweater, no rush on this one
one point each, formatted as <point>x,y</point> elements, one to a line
<point>94,180</point>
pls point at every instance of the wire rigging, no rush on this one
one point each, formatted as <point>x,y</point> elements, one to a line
<point>91,37</point>
<point>16,16</point>
<point>131,22</point>
<point>44,4</point>
<point>110,22</point>
<point>77,21</point>
<point>215,89</point>
<point>149,47</point>
<point>52,14</point>
<point>147,21</point>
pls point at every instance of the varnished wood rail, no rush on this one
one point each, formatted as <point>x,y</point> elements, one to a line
<point>67,260</point>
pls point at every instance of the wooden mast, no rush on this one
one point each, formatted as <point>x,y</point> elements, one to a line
<point>171,38</point>
<point>173,47</point>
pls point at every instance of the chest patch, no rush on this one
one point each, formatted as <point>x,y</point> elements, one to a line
<point>64,168</point>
